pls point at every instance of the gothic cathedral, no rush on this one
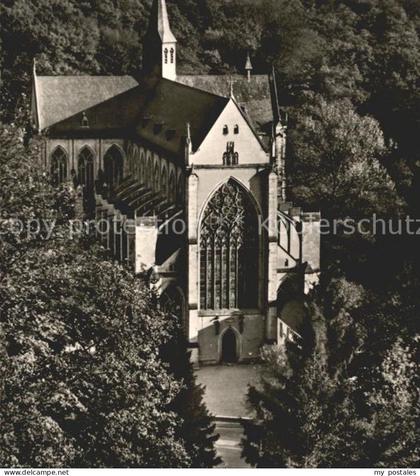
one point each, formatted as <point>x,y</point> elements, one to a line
<point>186,175</point>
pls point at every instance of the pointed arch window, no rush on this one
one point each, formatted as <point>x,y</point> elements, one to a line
<point>114,167</point>
<point>149,172</point>
<point>172,55</point>
<point>164,181</point>
<point>156,177</point>
<point>229,251</point>
<point>172,302</point>
<point>172,187</point>
<point>142,165</point>
<point>59,161</point>
<point>135,169</point>
<point>165,54</point>
<point>85,168</point>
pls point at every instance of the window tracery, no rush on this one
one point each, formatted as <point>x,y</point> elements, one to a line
<point>229,251</point>
<point>113,167</point>
<point>59,160</point>
<point>85,168</point>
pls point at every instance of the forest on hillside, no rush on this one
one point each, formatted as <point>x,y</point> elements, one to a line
<point>348,72</point>
<point>364,52</point>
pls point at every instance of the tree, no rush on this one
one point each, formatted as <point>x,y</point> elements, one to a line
<point>198,428</point>
<point>326,403</point>
<point>335,162</point>
<point>83,367</point>
<point>303,400</point>
<point>82,383</point>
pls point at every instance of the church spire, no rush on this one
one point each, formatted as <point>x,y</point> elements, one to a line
<point>160,15</point>
<point>160,43</point>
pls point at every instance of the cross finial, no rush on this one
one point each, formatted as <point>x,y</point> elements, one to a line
<point>231,87</point>
<point>188,142</point>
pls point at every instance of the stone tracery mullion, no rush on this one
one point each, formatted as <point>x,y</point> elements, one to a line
<point>224,233</point>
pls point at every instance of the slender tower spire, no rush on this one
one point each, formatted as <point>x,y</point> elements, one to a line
<point>248,67</point>
<point>159,46</point>
<point>231,94</point>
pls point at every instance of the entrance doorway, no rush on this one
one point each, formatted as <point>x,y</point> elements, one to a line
<point>229,347</point>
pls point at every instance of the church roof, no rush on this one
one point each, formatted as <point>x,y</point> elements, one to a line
<point>61,97</point>
<point>254,95</point>
<point>171,107</point>
<point>115,105</point>
<point>158,115</point>
<point>116,116</point>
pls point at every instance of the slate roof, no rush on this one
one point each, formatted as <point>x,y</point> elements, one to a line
<point>254,96</point>
<point>115,105</point>
<point>114,117</point>
<point>60,97</point>
<point>171,107</point>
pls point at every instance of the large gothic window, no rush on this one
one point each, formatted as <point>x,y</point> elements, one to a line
<point>114,167</point>
<point>229,250</point>
<point>59,166</point>
<point>86,168</point>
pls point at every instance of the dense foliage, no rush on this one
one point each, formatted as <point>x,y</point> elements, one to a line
<point>82,381</point>
<point>366,51</point>
<point>336,399</point>
<point>198,427</point>
<point>348,74</point>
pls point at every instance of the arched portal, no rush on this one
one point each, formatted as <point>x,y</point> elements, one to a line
<point>229,346</point>
<point>229,258</point>
<point>114,167</point>
<point>85,168</point>
<point>172,302</point>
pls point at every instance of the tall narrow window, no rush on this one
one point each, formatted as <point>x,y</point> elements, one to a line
<point>165,54</point>
<point>172,55</point>
<point>172,302</point>
<point>142,167</point>
<point>230,157</point>
<point>59,159</point>
<point>172,187</point>
<point>149,174</point>
<point>164,181</point>
<point>157,177</point>
<point>85,168</point>
<point>229,250</point>
<point>114,167</point>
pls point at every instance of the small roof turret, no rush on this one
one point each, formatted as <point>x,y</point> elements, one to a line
<point>248,64</point>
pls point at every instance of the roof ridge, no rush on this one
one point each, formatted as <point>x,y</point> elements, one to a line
<point>236,75</point>
<point>248,121</point>
<point>86,76</point>
<point>198,90</point>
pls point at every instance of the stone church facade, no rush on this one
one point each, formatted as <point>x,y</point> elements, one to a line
<point>187,174</point>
